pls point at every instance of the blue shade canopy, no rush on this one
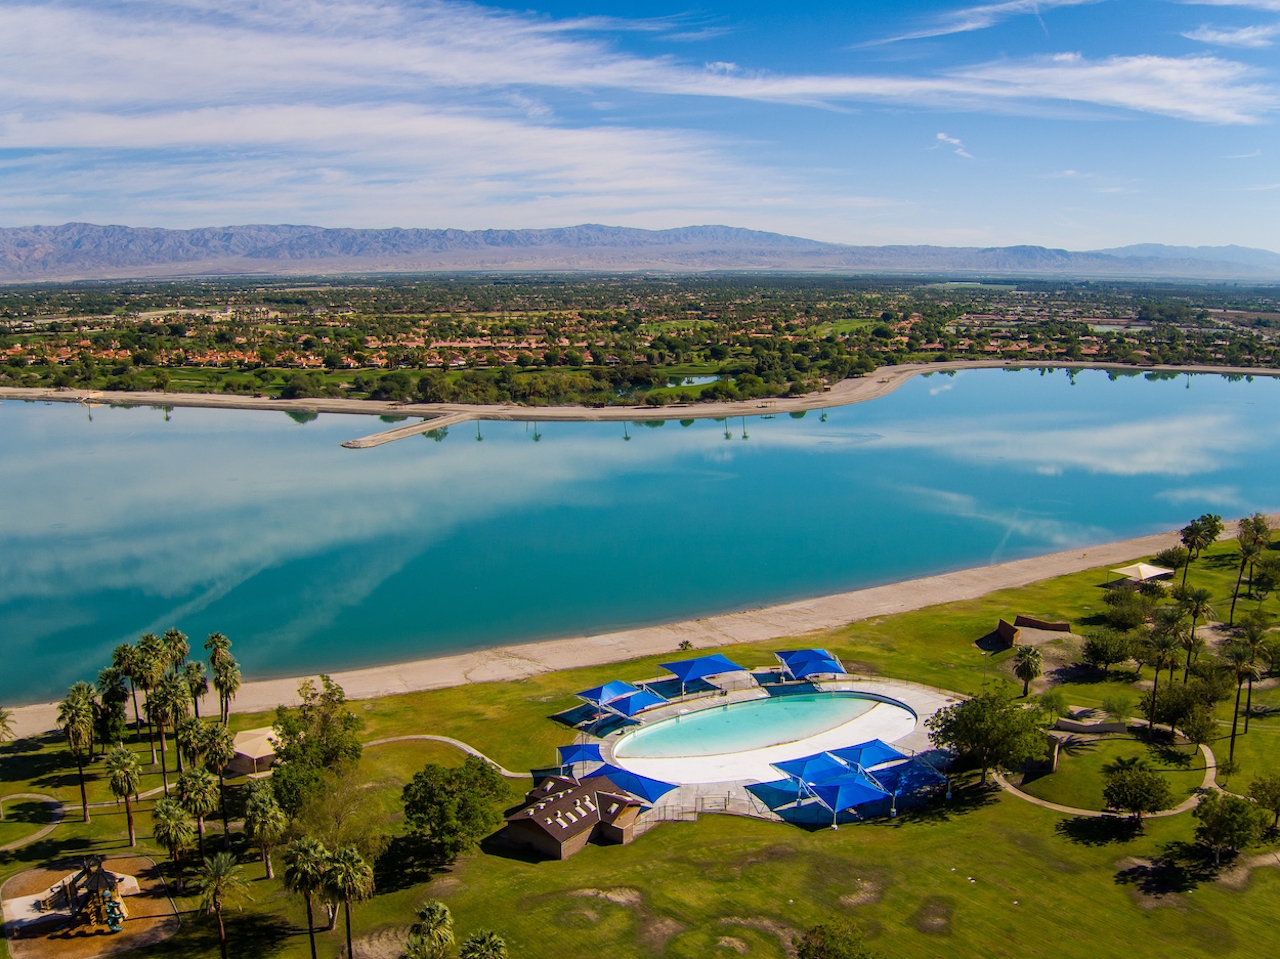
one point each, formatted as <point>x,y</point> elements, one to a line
<point>787,655</point>
<point>869,754</point>
<point>635,702</point>
<point>846,792</point>
<point>647,789</point>
<point>603,695</point>
<point>687,670</point>
<point>812,769</point>
<point>579,753</point>
<point>801,669</point>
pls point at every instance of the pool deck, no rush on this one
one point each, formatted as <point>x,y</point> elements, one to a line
<point>731,795</point>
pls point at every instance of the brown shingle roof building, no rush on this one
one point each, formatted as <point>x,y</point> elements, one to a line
<point>561,815</point>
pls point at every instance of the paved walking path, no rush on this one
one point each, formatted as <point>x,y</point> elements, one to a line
<point>1210,782</point>
<point>455,743</point>
<point>56,814</point>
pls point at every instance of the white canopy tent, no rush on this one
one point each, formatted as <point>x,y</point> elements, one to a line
<point>254,750</point>
<point>1141,572</point>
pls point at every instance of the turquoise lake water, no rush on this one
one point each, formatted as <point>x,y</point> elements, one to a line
<point>311,557</point>
<point>741,726</point>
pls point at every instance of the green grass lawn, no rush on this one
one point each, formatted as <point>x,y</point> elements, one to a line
<point>1079,779</point>
<point>22,817</point>
<point>1042,884</point>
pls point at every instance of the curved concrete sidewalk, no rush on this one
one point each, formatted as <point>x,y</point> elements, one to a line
<point>1210,782</point>
<point>455,743</point>
<point>56,811</point>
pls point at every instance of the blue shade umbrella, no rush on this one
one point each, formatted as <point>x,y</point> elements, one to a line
<point>579,753</point>
<point>687,670</point>
<point>603,695</point>
<point>635,702</point>
<point>869,754</point>
<point>787,655</point>
<point>802,669</point>
<point>647,789</point>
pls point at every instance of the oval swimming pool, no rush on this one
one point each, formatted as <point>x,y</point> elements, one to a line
<point>740,741</point>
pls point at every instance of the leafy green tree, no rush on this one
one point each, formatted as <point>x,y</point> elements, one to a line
<point>1265,791</point>
<point>197,791</point>
<point>1028,664</point>
<point>75,719</point>
<point>124,777</point>
<point>1227,823</point>
<point>1053,701</point>
<point>990,730</point>
<point>174,830</point>
<point>1174,558</point>
<point>483,945</point>
<point>1127,608</point>
<point>1137,790</point>
<point>1106,648</point>
<point>454,809</point>
<point>1118,707</point>
<point>219,882</point>
<point>305,864</point>
<point>264,820</point>
<point>348,879</point>
<point>1198,725</point>
<point>835,939</point>
<point>320,734</point>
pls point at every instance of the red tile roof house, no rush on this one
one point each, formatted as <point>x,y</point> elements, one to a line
<point>561,815</point>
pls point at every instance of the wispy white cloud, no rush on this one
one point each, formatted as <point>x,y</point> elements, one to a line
<point>955,142</point>
<point>983,16</point>
<point>1243,156</point>
<point>1253,37</point>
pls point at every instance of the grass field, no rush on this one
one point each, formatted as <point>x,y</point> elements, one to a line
<point>1079,779</point>
<point>985,875</point>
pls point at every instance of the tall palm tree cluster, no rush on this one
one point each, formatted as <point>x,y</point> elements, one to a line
<point>1170,639</point>
<point>432,937</point>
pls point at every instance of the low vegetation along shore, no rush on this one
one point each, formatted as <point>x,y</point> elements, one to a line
<point>986,873</point>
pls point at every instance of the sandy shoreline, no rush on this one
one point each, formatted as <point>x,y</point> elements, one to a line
<point>845,393</point>
<point>771,622</point>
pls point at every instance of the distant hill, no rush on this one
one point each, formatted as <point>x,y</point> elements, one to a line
<point>87,251</point>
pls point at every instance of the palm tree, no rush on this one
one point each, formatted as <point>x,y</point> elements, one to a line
<point>264,820</point>
<point>174,830</point>
<point>226,680</point>
<point>219,649</point>
<point>1027,666</point>
<point>125,659</point>
<point>348,879</point>
<point>1250,549</point>
<point>89,696</point>
<point>1195,604</point>
<point>189,735</point>
<point>176,648</point>
<point>124,776</point>
<point>220,883</point>
<point>148,671</point>
<point>219,750</point>
<point>165,703</point>
<point>6,725</point>
<point>193,675</point>
<point>434,929</point>
<point>483,945</point>
<point>305,863</point>
<point>1238,663</point>
<point>1161,652</point>
<point>1171,621</point>
<point>1254,638</point>
<point>1195,537</point>
<point>75,719</point>
<point>198,793</point>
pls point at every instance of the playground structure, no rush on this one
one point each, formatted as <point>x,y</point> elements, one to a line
<point>94,896</point>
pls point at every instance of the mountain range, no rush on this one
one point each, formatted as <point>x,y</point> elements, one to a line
<point>77,251</point>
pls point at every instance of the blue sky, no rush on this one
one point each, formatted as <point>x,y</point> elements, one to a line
<point>1075,123</point>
